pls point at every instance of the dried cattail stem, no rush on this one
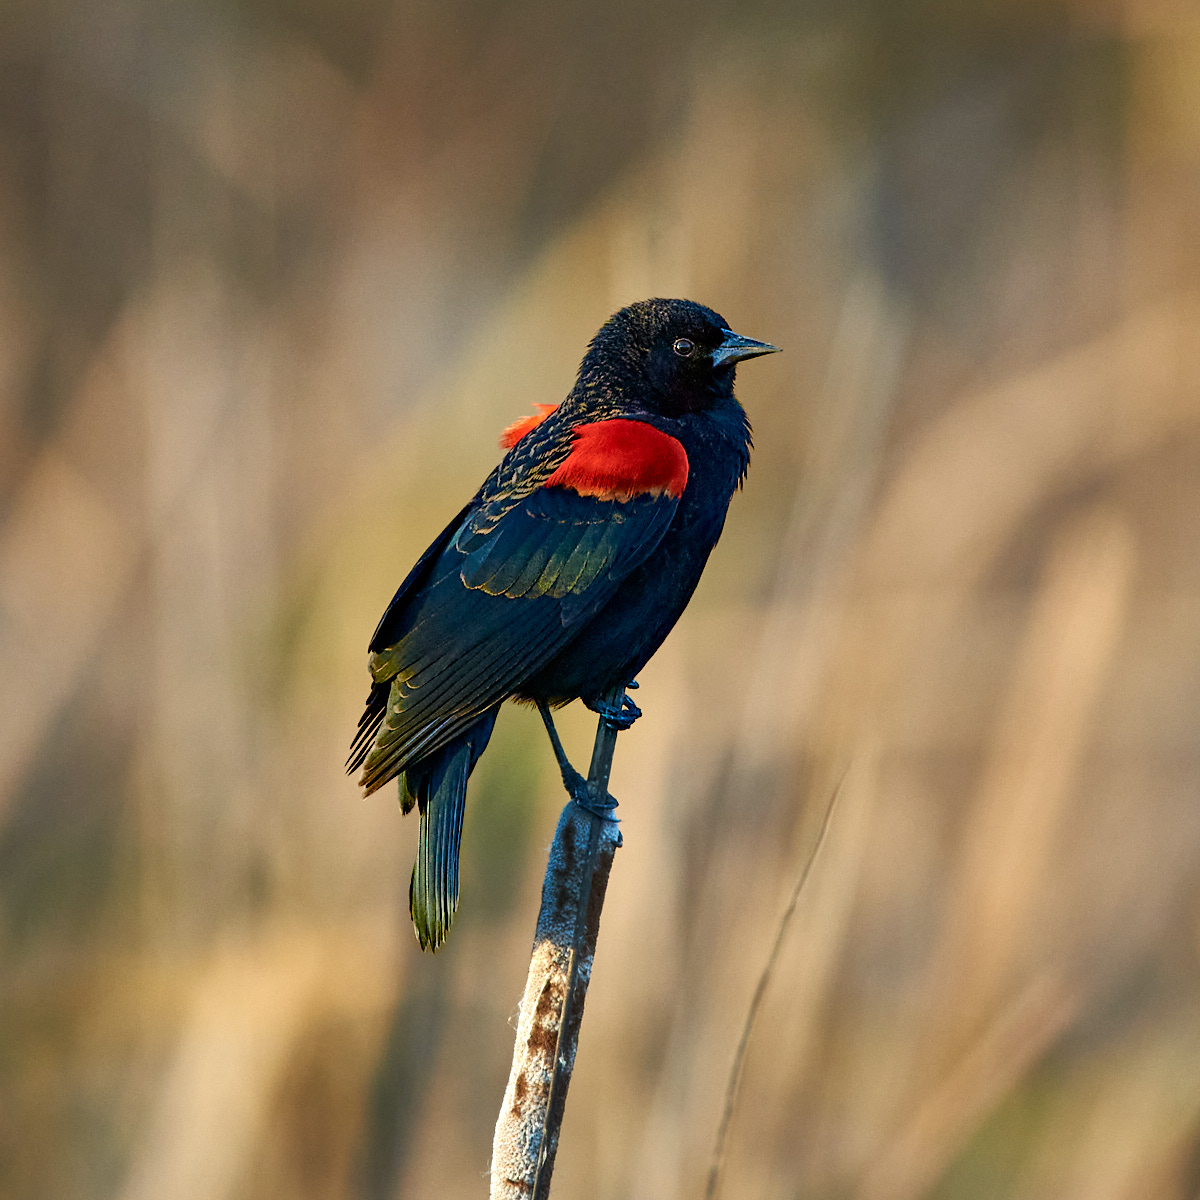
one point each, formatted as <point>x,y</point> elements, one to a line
<point>581,858</point>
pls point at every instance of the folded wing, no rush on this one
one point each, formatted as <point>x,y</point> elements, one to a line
<point>495,597</point>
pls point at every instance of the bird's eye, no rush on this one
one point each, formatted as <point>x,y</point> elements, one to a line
<point>683,347</point>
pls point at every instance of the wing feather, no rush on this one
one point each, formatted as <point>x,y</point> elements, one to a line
<point>507,588</point>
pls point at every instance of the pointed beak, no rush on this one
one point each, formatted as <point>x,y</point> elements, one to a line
<point>735,348</point>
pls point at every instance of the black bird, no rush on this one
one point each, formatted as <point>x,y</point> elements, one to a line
<point>562,575</point>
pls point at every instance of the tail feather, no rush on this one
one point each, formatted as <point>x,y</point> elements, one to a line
<point>408,798</point>
<point>439,785</point>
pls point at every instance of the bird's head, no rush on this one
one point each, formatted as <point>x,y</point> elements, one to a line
<point>675,356</point>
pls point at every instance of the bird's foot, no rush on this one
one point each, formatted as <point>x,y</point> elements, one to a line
<point>620,715</point>
<point>577,787</point>
<point>579,791</point>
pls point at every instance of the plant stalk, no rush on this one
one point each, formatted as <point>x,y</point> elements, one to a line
<point>581,857</point>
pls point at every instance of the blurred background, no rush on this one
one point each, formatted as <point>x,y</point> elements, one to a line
<point>274,274</point>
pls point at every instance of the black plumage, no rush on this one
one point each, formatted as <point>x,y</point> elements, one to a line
<point>563,574</point>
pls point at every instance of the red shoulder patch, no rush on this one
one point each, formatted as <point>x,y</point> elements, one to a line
<point>518,429</point>
<point>619,459</point>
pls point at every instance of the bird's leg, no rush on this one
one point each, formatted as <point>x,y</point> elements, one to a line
<point>619,716</point>
<point>576,785</point>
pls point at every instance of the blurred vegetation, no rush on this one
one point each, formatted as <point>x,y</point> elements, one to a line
<point>273,276</point>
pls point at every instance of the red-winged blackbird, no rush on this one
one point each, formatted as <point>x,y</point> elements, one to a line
<point>562,575</point>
